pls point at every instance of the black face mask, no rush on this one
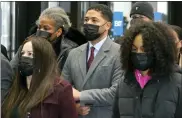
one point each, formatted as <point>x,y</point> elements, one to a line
<point>26,66</point>
<point>92,31</point>
<point>141,61</point>
<point>43,34</point>
<point>46,35</point>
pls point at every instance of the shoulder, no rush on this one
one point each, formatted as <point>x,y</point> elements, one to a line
<point>79,49</point>
<point>115,45</point>
<point>63,86</point>
<point>5,64</point>
<point>176,78</point>
<point>60,91</point>
<point>115,48</point>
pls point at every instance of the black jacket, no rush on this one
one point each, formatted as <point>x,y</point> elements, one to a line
<point>178,69</point>
<point>160,98</point>
<point>72,39</point>
<point>6,77</point>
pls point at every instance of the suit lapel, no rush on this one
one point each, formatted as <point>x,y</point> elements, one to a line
<point>82,60</point>
<point>97,60</point>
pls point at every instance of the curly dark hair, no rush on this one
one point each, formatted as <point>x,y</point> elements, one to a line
<point>168,33</point>
<point>156,42</point>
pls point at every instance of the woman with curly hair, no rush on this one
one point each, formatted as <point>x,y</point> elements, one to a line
<point>150,87</point>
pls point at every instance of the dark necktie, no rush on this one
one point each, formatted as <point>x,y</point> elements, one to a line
<point>91,58</point>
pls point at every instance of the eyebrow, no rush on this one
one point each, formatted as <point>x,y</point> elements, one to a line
<point>92,17</point>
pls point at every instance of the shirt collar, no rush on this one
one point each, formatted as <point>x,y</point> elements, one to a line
<point>98,45</point>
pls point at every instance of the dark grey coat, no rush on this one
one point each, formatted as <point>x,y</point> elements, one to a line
<point>160,98</point>
<point>6,77</point>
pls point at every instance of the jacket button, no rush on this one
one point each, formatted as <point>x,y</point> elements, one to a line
<point>136,97</point>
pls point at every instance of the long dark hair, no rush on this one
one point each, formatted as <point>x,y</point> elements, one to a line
<point>156,42</point>
<point>44,74</point>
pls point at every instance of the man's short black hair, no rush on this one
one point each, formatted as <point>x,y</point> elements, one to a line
<point>104,10</point>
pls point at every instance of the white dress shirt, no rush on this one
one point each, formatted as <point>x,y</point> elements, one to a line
<point>96,46</point>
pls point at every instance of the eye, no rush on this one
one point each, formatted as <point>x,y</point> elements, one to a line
<point>30,54</point>
<point>86,20</point>
<point>46,28</point>
<point>134,48</point>
<point>94,20</point>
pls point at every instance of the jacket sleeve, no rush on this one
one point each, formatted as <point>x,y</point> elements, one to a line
<point>116,113</point>
<point>104,96</point>
<point>14,62</point>
<point>67,104</point>
<point>66,69</point>
<point>6,77</point>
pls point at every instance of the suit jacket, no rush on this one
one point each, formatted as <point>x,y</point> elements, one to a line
<point>59,104</point>
<point>98,85</point>
<point>6,76</point>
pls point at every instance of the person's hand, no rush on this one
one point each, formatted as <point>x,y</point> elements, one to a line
<point>82,110</point>
<point>76,94</point>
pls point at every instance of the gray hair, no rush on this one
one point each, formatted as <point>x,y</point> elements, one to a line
<point>58,15</point>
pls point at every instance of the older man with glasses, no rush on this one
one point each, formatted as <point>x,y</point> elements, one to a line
<point>141,11</point>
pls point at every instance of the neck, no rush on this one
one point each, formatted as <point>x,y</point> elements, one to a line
<point>99,39</point>
<point>144,72</point>
<point>29,78</point>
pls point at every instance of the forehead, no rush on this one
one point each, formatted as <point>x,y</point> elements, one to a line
<point>138,41</point>
<point>46,21</point>
<point>94,14</point>
<point>27,46</point>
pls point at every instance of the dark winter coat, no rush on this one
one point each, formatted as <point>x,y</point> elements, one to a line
<point>160,98</point>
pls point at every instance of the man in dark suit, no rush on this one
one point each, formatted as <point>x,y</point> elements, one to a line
<point>6,77</point>
<point>94,68</point>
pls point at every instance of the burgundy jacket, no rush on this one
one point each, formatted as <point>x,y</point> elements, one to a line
<point>59,104</point>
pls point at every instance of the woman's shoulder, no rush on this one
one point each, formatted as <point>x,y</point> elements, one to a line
<point>177,78</point>
<point>60,90</point>
<point>62,85</point>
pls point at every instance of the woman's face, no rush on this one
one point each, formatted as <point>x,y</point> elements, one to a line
<point>26,60</point>
<point>140,59</point>
<point>48,25</point>
<point>27,50</point>
<point>138,44</point>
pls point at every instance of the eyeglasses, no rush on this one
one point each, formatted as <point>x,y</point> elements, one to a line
<point>137,16</point>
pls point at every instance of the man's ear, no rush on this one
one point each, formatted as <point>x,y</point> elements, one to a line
<point>108,25</point>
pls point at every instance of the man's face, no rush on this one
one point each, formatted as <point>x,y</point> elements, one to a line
<point>136,17</point>
<point>96,18</point>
